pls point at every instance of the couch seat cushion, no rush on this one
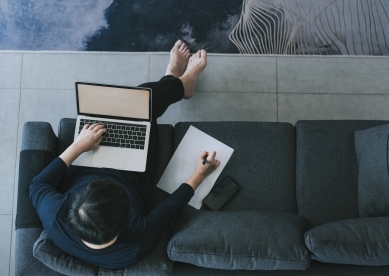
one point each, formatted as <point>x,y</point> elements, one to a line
<point>264,156</point>
<point>248,240</point>
<point>360,241</point>
<point>371,146</point>
<point>154,263</point>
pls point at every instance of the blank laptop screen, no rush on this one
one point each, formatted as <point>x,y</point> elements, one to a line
<point>113,101</point>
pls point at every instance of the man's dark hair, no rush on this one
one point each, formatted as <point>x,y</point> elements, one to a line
<point>99,212</point>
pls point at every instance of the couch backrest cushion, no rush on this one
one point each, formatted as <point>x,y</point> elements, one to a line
<point>263,162</point>
<point>371,147</point>
<point>327,169</point>
<point>66,129</point>
<point>155,262</point>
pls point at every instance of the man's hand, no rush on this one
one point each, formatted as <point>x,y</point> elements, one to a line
<point>202,171</point>
<point>89,138</point>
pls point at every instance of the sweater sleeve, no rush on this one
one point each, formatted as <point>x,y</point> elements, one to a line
<point>156,222</point>
<point>43,194</point>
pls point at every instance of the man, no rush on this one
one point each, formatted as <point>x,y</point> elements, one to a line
<point>101,216</point>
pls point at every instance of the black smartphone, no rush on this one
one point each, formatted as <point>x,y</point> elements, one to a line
<point>221,193</point>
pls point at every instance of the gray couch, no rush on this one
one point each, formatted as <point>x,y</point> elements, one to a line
<point>298,212</point>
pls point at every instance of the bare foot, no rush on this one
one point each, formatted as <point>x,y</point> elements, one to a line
<point>196,65</point>
<point>179,56</point>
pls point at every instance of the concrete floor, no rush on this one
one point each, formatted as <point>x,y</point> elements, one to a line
<point>39,86</point>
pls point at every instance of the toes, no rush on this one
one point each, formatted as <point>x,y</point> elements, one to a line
<point>202,53</point>
<point>178,44</point>
<point>183,46</point>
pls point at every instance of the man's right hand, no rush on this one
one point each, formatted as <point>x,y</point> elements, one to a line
<point>89,138</point>
<point>202,171</point>
<point>211,164</point>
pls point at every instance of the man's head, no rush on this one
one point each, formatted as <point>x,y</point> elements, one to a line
<point>99,212</point>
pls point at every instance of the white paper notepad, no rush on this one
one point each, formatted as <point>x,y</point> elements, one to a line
<point>183,164</point>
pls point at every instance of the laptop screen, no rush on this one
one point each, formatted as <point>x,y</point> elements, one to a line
<point>113,101</point>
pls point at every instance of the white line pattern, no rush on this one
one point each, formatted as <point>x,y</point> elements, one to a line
<point>313,27</point>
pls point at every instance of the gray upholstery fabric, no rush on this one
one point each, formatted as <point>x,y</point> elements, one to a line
<point>361,241</point>
<point>315,269</point>
<point>371,146</point>
<point>263,163</point>
<point>155,262</point>
<point>165,149</point>
<point>39,136</point>
<point>66,129</point>
<point>45,251</point>
<point>327,171</point>
<point>38,140</point>
<point>31,162</point>
<point>248,240</point>
<point>25,263</point>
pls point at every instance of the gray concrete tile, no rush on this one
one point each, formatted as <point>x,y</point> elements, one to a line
<point>12,256</point>
<point>223,106</point>
<point>356,75</point>
<point>294,107</point>
<point>227,73</point>
<point>5,243</point>
<point>46,106</point>
<point>62,70</point>
<point>158,64</point>
<point>239,74</point>
<point>9,112</point>
<point>10,70</point>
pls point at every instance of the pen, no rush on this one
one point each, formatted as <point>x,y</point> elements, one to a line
<point>205,160</point>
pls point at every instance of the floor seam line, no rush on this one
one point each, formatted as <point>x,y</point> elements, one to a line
<point>16,168</point>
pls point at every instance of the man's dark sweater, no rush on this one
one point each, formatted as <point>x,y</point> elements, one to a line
<point>138,237</point>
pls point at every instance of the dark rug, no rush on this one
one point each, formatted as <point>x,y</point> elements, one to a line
<point>297,27</point>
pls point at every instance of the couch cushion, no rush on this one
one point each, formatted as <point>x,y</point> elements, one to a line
<point>360,241</point>
<point>31,162</point>
<point>154,263</point>
<point>66,129</point>
<point>371,147</point>
<point>327,170</point>
<point>25,263</point>
<point>263,163</point>
<point>249,240</point>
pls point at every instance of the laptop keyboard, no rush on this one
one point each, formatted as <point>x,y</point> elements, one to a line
<point>120,134</point>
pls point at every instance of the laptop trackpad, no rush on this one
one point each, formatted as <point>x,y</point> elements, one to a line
<point>109,157</point>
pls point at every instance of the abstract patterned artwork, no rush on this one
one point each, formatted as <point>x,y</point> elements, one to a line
<point>346,27</point>
<point>286,27</point>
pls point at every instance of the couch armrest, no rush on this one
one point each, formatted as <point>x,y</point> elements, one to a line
<point>27,223</point>
<point>25,262</point>
<point>38,148</point>
<point>39,136</point>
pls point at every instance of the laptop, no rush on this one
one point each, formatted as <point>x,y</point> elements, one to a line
<point>126,113</point>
